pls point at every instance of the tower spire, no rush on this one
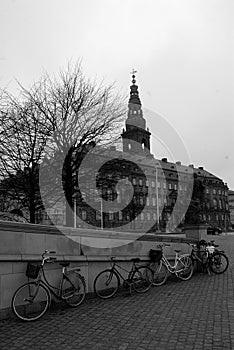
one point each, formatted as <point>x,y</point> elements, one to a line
<point>134,94</point>
<point>135,138</point>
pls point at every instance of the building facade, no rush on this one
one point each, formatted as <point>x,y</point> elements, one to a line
<point>231,207</point>
<point>155,195</point>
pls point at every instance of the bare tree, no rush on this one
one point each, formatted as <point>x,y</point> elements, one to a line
<point>22,140</point>
<point>59,118</point>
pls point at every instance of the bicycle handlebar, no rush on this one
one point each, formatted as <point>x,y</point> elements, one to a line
<point>163,245</point>
<point>48,259</point>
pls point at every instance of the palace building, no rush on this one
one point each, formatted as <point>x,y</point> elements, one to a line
<point>154,195</point>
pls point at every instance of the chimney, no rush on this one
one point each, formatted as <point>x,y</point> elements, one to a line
<point>200,167</point>
<point>191,165</point>
<point>178,162</point>
<point>164,160</point>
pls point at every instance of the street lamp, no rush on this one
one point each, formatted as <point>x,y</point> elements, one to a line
<point>157,203</point>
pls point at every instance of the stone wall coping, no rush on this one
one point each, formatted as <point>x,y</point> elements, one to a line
<point>61,258</point>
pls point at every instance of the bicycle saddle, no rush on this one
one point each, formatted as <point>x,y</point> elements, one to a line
<point>135,260</point>
<point>64,263</point>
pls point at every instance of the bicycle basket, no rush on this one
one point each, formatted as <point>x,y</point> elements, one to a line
<point>32,270</point>
<point>155,255</point>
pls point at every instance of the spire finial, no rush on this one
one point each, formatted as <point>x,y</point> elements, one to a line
<point>133,72</point>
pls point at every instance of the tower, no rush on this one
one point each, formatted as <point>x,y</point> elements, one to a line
<point>136,139</point>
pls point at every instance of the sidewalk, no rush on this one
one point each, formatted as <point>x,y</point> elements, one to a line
<point>195,314</point>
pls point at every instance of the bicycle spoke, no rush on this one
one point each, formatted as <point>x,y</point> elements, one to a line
<point>30,301</point>
<point>73,289</point>
<point>142,279</point>
<point>106,284</point>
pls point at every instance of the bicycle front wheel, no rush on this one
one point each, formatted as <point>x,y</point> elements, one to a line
<point>185,267</point>
<point>160,273</point>
<point>142,279</point>
<point>30,301</point>
<point>106,284</point>
<point>219,263</point>
<point>73,288</point>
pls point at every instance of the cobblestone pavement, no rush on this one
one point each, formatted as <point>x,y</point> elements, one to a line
<point>195,314</point>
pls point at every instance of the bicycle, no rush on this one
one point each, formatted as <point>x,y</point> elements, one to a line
<point>210,258</point>
<point>31,300</point>
<point>182,267</point>
<point>107,282</point>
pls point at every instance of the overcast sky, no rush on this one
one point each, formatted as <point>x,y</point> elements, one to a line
<point>183,51</point>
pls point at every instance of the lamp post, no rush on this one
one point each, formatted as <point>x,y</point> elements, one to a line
<point>74,212</point>
<point>99,199</point>
<point>157,203</point>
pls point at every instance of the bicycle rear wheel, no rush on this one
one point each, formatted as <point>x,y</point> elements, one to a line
<point>30,301</point>
<point>106,284</point>
<point>160,273</point>
<point>73,288</point>
<point>185,267</point>
<point>142,279</point>
<point>218,263</point>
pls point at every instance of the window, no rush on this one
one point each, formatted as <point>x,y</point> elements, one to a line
<point>165,185</point>
<point>83,215</point>
<point>111,215</point>
<point>153,183</point>
<point>141,201</point>
<point>134,181</point>
<point>129,146</point>
<point>148,216</point>
<point>159,184</point>
<point>120,215</point>
<point>140,182</point>
<point>207,191</point>
<point>147,201</point>
<point>109,194</point>
<point>169,186</point>
<point>98,215</point>
<point>214,191</point>
<point>142,216</point>
<point>215,203</point>
<point>175,186</point>
<point>154,202</point>
<point>118,197</point>
<point>147,183</point>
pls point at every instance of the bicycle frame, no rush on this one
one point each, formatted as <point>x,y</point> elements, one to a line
<point>194,255</point>
<point>172,268</point>
<point>130,273</point>
<point>52,289</point>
